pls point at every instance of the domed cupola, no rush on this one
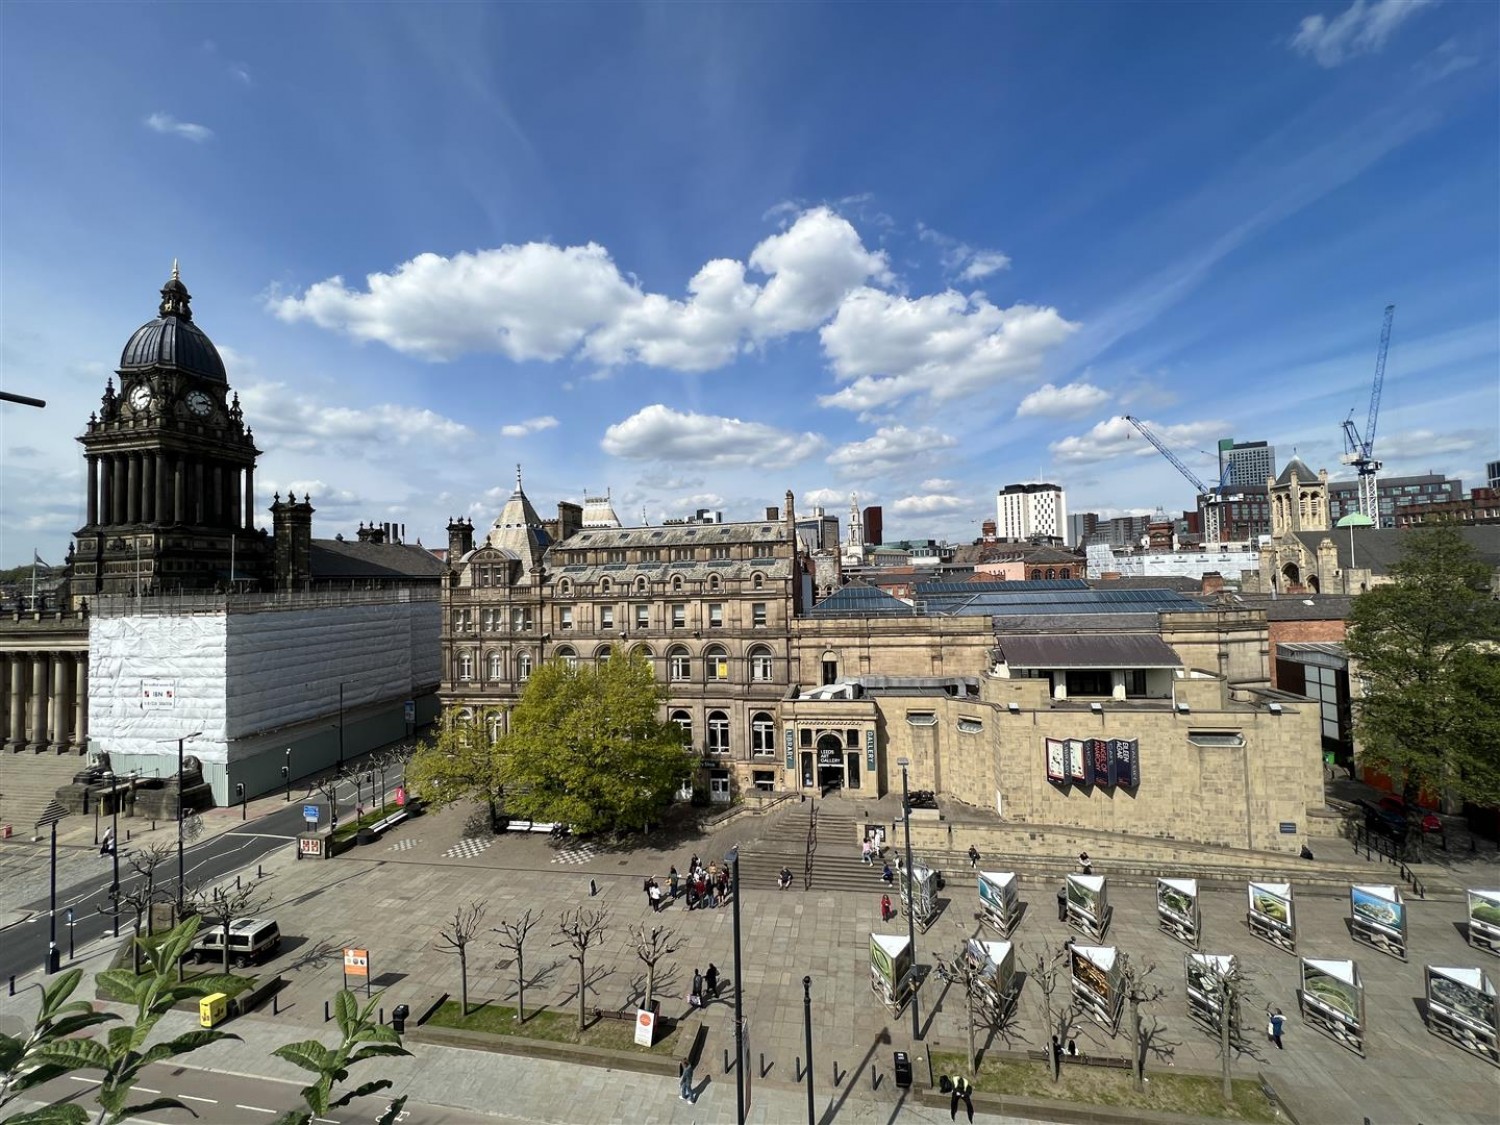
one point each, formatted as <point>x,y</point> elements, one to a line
<point>172,340</point>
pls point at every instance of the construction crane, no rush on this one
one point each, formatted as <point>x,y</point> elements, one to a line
<point>1209,499</point>
<point>1359,450</point>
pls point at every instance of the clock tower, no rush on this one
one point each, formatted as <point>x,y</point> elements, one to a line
<point>171,470</point>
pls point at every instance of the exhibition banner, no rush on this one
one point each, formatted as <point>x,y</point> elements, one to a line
<point>890,967</point>
<point>1102,760</point>
<point>996,961</point>
<point>1205,972</point>
<point>1079,767</point>
<point>1057,761</point>
<point>1270,917</point>
<point>1377,917</point>
<point>918,890</point>
<point>1462,1006</point>
<point>1096,982</point>
<point>1127,755</point>
<point>1484,920</point>
<point>997,899</point>
<point>1177,909</point>
<point>1332,999</point>
<point>1088,904</point>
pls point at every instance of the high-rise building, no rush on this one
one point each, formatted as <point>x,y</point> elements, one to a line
<point>1492,470</point>
<point>1080,526</point>
<point>1031,511</point>
<point>874,524</point>
<point>1429,488</point>
<point>1246,462</point>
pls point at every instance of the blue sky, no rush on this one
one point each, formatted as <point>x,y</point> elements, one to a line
<point>703,254</point>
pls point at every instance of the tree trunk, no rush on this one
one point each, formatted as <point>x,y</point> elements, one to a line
<point>1224,1045</point>
<point>463,981</point>
<point>135,946</point>
<point>973,1070</point>
<point>520,987</point>
<point>650,983</point>
<point>581,1021</point>
<point>226,944</point>
<point>1137,1049</point>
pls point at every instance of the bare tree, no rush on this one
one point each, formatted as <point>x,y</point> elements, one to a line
<point>1140,992</point>
<point>513,938</point>
<point>455,938</point>
<point>984,1009</point>
<point>226,904</point>
<point>1050,970</point>
<point>1231,989</point>
<point>328,787</point>
<point>652,946</point>
<point>580,929</point>
<point>142,894</point>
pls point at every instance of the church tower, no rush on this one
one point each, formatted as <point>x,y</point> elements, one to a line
<point>171,470</point>
<point>1299,499</point>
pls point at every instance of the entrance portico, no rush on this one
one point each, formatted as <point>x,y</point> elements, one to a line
<point>832,742</point>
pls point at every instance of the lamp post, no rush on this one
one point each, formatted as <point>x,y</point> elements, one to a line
<point>180,873</point>
<point>286,775</point>
<point>51,815</point>
<point>812,1117</point>
<point>114,842</point>
<point>911,891</point>
<point>733,859</point>
<point>239,791</point>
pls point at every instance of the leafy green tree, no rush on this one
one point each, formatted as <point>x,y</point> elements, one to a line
<point>460,763</point>
<point>1425,647</point>
<point>587,748</point>
<point>362,1039</point>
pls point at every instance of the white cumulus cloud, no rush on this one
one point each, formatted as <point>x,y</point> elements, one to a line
<point>660,433</point>
<point>938,484</point>
<point>926,505</point>
<point>824,497</point>
<point>1362,28</point>
<point>946,345</point>
<point>1069,401</point>
<point>530,426</point>
<point>166,123</point>
<point>1116,437</point>
<point>889,449</point>
<point>285,419</point>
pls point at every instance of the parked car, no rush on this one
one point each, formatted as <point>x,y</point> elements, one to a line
<point>1383,820</point>
<point>1412,814</point>
<point>250,940</point>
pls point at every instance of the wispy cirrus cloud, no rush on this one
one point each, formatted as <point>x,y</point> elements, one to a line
<point>1360,29</point>
<point>167,124</point>
<point>530,426</point>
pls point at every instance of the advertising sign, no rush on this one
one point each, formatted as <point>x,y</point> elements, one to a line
<point>1080,769</point>
<point>890,968</point>
<point>158,695</point>
<point>1096,982</point>
<point>1332,999</point>
<point>1205,974</point>
<point>996,962</point>
<point>1270,917</point>
<point>1101,760</point>
<point>356,962</point>
<point>1177,909</point>
<point>1377,917</point>
<point>1057,762</point>
<point>1484,921</point>
<point>1462,1006</point>
<point>1088,904</point>
<point>400,796</point>
<point>918,891</point>
<point>1127,756</point>
<point>645,1027</point>
<point>997,900</point>
<point>310,846</point>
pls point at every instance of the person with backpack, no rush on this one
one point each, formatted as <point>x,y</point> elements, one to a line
<point>973,857</point>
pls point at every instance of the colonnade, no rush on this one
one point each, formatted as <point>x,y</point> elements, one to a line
<point>45,700</point>
<point>158,486</point>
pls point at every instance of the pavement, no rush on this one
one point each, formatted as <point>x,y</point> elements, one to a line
<point>390,898</point>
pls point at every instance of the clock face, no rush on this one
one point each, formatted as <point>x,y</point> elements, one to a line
<point>200,404</point>
<point>140,398</point>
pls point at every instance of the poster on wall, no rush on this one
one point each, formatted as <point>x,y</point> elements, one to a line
<point>1205,974</point>
<point>1377,917</point>
<point>1177,909</point>
<point>1270,917</point>
<point>1102,760</point>
<point>1088,904</point>
<point>1096,982</point>
<point>1127,758</point>
<point>1332,999</point>
<point>1462,1006</point>
<point>998,904</point>
<point>1078,762</point>
<point>1484,921</point>
<point>1057,762</point>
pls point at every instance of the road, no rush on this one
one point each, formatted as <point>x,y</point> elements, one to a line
<point>25,945</point>
<point>233,1099</point>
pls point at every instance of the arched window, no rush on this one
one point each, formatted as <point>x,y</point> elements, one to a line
<point>830,667</point>
<point>676,582</point>
<point>602,654</point>
<point>679,664</point>
<point>523,667</point>
<point>685,721</point>
<point>716,664</point>
<point>1036,575</point>
<point>464,717</point>
<point>762,735</point>
<point>605,585</point>
<point>1051,572</point>
<point>1066,572</point>
<point>713,581</point>
<point>757,581</point>
<point>497,665</point>
<point>465,666</point>
<point>642,651</point>
<point>640,585</point>
<point>568,657</point>
<point>565,588</point>
<point>762,665</point>
<point>718,732</point>
<point>493,722</point>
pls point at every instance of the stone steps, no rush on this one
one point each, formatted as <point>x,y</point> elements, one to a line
<point>27,783</point>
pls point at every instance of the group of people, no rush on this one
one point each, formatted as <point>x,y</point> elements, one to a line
<point>705,986</point>
<point>702,886</point>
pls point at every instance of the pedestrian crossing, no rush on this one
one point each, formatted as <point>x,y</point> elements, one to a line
<point>468,848</point>
<point>575,853</point>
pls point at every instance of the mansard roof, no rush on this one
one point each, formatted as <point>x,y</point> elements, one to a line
<point>769,532</point>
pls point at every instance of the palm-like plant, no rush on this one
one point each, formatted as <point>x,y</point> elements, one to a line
<point>363,1038</point>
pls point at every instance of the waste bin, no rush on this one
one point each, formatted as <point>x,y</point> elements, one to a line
<point>398,1018</point>
<point>903,1070</point>
<point>212,1009</point>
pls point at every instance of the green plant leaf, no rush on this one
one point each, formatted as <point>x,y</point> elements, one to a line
<point>57,992</point>
<point>120,985</point>
<point>346,1011</point>
<point>51,1115</point>
<point>308,1054</point>
<point>75,1054</point>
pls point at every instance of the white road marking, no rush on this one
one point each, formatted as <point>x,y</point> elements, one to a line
<point>145,1090</point>
<point>193,1098</point>
<point>90,1081</point>
<point>253,1108</point>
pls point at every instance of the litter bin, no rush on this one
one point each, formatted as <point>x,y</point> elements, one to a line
<point>212,1009</point>
<point>398,1018</point>
<point>903,1070</point>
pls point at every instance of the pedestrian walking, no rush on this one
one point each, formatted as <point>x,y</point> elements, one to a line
<point>885,908</point>
<point>973,857</point>
<point>685,1081</point>
<point>1085,863</point>
<point>655,896</point>
<point>864,851</point>
<point>697,994</point>
<point>672,880</point>
<point>963,1091</point>
<point>1275,1026</point>
<point>693,864</point>
<point>1062,903</point>
<point>108,844</point>
<point>711,979</point>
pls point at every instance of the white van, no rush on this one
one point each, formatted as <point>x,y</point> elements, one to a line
<point>250,939</point>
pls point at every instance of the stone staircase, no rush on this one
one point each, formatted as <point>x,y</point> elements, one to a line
<point>819,843</point>
<point>27,782</point>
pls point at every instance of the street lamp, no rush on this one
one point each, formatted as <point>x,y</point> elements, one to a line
<point>732,858</point>
<point>911,892</point>
<point>51,815</point>
<point>286,775</point>
<point>239,791</point>
<point>180,876</point>
<point>812,1117</point>
<point>114,841</point>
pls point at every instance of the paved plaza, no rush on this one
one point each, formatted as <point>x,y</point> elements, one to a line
<point>391,896</point>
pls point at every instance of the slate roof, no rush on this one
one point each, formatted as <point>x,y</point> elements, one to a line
<point>1377,549</point>
<point>1089,650</point>
<point>998,586</point>
<point>1072,601</point>
<point>856,600</point>
<point>1299,607</point>
<point>1074,623</point>
<point>1299,466</point>
<point>693,571</point>
<point>1181,583</point>
<point>335,558</point>
<point>686,535</point>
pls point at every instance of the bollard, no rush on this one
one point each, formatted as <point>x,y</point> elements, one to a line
<point>153,825</point>
<point>12,984</point>
<point>797,1066</point>
<point>236,882</point>
<point>837,1077</point>
<point>726,1060</point>
<point>127,834</point>
<point>593,888</point>
<point>275,1003</point>
<point>382,1015</point>
<point>258,873</point>
<point>326,1017</point>
<point>874,1078</point>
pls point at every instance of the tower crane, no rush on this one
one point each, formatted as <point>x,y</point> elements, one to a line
<point>1359,449</point>
<point>1209,499</point>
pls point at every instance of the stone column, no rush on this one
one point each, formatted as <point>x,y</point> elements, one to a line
<point>93,491</point>
<point>17,700</point>
<point>217,490</point>
<point>249,496</point>
<point>163,482</point>
<point>197,506</point>
<point>81,700</point>
<point>132,488</point>
<point>148,488</point>
<point>120,474</point>
<point>62,664</point>
<point>38,701</point>
<point>179,489</point>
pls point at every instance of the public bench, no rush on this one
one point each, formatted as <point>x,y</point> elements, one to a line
<point>370,832</point>
<point>530,826</point>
